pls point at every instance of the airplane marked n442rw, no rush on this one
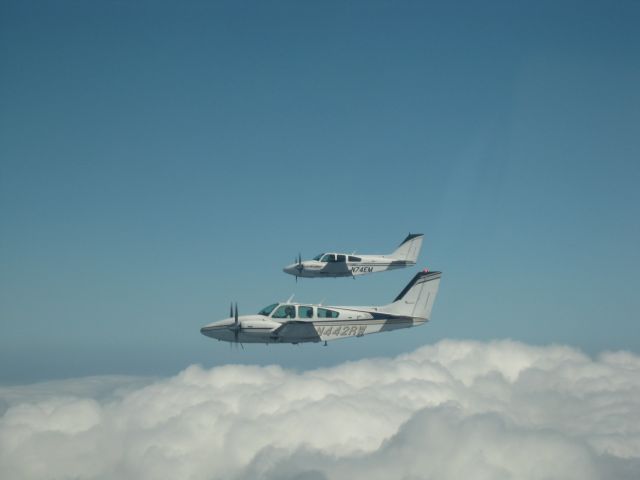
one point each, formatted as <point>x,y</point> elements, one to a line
<point>350,265</point>
<point>297,322</point>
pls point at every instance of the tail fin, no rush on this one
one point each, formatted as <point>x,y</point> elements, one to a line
<point>418,297</point>
<point>409,249</point>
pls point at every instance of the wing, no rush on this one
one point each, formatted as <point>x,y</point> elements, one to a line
<point>336,269</point>
<point>296,331</point>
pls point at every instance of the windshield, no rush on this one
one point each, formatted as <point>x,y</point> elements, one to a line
<point>285,311</point>
<point>267,310</point>
<point>318,257</point>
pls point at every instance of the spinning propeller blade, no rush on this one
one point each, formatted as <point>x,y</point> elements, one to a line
<point>236,325</point>
<point>299,265</point>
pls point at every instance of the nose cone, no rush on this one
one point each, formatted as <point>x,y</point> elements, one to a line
<point>217,329</point>
<point>291,269</point>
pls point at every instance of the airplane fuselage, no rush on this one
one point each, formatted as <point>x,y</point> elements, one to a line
<point>350,322</point>
<point>350,265</point>
<point>345,266</point>
<point>298,323</point>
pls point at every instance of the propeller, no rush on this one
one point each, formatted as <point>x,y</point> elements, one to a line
<point>299,266</point>
<point>236,324</point>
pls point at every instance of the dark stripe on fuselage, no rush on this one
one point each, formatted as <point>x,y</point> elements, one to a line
<point>230,328</point>
<point>371,321</point>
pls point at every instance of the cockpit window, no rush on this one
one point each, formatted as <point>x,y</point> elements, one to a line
<point>318,257</point>
<point>267,310</point>
<point>329,258</point>
<point>342,258</point>
<point>305,312</point>
<point>285,311</point>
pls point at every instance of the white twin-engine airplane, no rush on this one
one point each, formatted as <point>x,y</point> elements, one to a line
<point>296,322</point>
<point>350,265</point>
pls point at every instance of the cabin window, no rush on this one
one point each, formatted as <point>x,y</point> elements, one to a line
<point>305,312</point>
<point>285,311</point>
<point>329,258</point>
<point>267,310</point>
<point>324,313</point>
<point>342,258</point>
<point>354,259</point>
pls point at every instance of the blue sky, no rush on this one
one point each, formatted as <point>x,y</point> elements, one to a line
<point>162,159</point>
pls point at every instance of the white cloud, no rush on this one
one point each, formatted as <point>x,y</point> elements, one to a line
<point>448,411</point>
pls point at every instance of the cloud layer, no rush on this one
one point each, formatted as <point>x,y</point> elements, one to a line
<point>451,410</point>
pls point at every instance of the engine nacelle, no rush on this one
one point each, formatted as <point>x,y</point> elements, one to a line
<point>258,326</point>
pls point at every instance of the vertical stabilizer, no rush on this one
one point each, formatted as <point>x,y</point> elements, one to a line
<point>409,249</point>
<point>418,297</point>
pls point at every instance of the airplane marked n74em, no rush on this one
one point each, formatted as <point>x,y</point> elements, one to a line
<point>349,265</point>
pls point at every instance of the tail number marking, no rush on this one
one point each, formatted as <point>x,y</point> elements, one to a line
<point>361,269</point>
<point>342,330</point>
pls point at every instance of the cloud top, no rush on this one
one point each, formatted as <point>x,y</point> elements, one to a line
<point>456,409</point>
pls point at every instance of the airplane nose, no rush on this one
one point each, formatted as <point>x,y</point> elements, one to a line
<point>206,331</point>
<point>213,329</point>
<point>290,269</point>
